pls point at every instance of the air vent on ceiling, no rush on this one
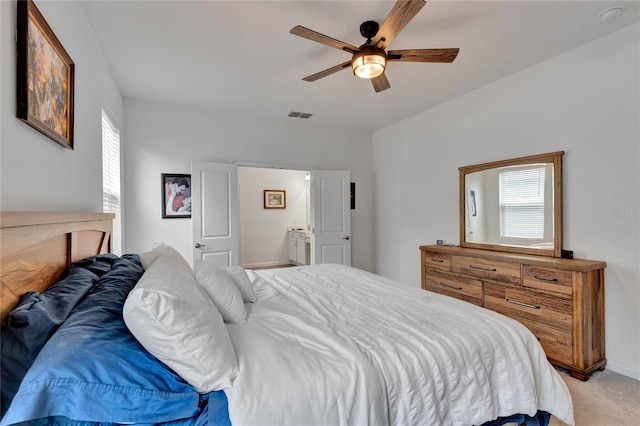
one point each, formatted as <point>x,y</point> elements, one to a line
<point>296,114</point>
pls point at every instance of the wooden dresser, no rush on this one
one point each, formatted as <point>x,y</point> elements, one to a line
<point>560,300</point>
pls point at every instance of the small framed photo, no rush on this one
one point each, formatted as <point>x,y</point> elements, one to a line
<point>176,196</point>
<point>44,77</point>
<point>275,199</point>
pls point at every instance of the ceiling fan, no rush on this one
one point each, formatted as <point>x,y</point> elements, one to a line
<point>370,59</point>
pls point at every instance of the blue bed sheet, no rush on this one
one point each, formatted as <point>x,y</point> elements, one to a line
<point>541,418</point>
<point>213,412</point>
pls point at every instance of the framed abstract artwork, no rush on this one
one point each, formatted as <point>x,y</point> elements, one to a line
<point>44,78</point>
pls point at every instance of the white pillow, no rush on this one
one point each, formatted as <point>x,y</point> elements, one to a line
<point>176,321</point>
<point>147,258</point>
<point>254,278</point>
<point>241,279</point>
<point>222,290</point>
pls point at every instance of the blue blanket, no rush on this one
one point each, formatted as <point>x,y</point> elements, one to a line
<point>93,371</point>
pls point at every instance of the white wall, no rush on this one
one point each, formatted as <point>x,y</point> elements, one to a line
<point>585,102</point>
<point>37,173</point>
<point>165,139</point>
<point>263,232</point>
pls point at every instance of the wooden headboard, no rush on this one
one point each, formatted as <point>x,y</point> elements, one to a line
<point>37,247</point>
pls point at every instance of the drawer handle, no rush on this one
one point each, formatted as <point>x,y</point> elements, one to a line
<point>551,280</point>
<point>451,286</point>
<point>437,260</point>
<point>482,268</point>
<point>526,305</point>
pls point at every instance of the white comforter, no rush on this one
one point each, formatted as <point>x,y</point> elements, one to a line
<point>334,345</point>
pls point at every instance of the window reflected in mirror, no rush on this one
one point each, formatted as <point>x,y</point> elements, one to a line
<point>513,205</point>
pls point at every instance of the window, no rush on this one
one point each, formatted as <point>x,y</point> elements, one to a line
<point>111,199</point>
<point>522,203</point>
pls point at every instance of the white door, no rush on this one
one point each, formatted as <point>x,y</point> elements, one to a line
<point>331,217</point>
<point>215,213</point>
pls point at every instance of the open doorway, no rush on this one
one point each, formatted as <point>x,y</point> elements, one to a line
<point>216,216</point>
<point>273,237</point>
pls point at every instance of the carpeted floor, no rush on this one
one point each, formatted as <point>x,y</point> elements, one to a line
<point>606,399</point>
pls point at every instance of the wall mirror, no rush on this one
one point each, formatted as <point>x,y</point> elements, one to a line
<point>513,205</point>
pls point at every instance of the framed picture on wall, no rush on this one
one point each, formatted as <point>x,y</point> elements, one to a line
<point>44,77</point>
<point>275,199</point>
<point>176,196</point>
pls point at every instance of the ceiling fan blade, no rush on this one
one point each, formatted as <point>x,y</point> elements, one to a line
<point>321,38</point>
<point>423,55</point>
<point>403,12</point>
<point>328,71</point>
<point>380,83</point>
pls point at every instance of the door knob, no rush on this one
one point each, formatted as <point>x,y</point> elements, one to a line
<point>198,245</point>
<point>346,238</point>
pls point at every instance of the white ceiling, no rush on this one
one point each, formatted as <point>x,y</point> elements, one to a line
<point>238,56</point>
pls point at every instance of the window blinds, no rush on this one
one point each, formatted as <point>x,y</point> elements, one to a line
<point>111,199</point>
<point>522,203</point>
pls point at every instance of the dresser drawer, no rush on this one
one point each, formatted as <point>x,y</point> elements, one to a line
<point>487,269</point>
<point>557,343</point>
<point>529,305</point>
<point>549,279</point>
<point>437,260</point>
<point>463,288</point>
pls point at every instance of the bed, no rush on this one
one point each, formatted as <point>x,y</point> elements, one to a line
<point>146,339</point>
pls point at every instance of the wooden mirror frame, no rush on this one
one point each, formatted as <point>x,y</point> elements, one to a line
<point>552,157</point>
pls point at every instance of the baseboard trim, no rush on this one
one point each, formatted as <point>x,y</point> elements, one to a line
<point>265,265</point>
<point>623,370</point>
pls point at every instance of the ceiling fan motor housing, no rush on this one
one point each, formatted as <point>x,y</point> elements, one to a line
<point>369,29</point>
<point>367,50</point>
<point>369,61</point>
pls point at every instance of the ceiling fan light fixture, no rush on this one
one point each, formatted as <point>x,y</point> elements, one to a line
<point>369,64</point>
<point>369,61</point>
